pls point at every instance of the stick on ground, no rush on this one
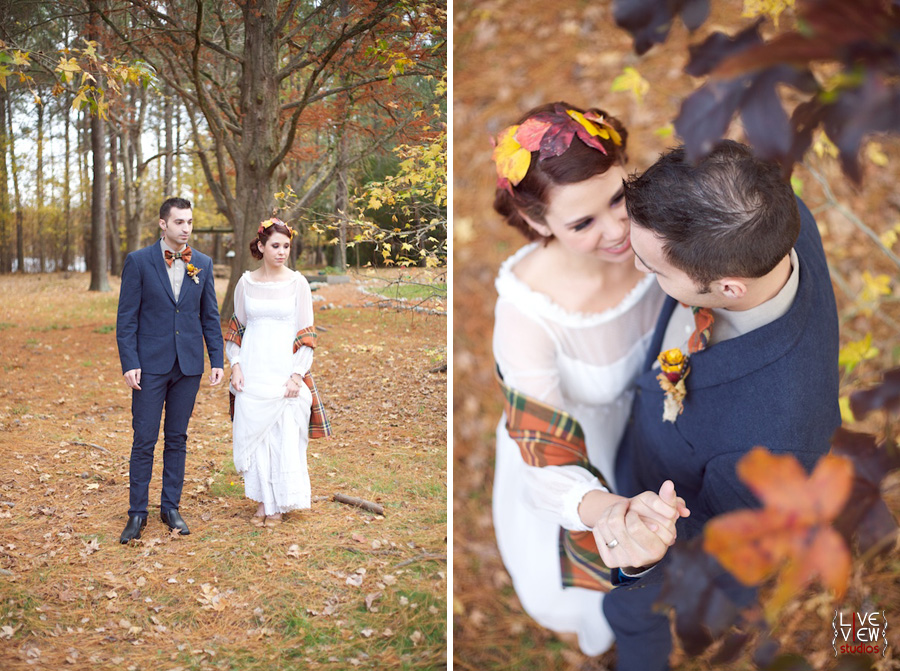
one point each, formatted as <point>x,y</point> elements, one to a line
<point>376,508</point>
<point>96,447</point>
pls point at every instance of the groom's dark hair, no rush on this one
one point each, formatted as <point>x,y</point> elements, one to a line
<point>731,214</point>
<point>169,203</point>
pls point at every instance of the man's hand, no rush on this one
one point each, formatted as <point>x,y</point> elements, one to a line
<point>133,378</point>
<point>215,376</point>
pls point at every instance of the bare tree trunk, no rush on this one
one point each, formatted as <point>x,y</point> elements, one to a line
<point>259,144</point>
<point>132,170</point>
<point>67,192</point>
<point>115,228</point>
<point>99,262</point>
<point>341,203</point>
<point>5,211</point>
<point>85,184</point>
<point>99,279</point>
<point>167,123</point>
<point>39,190</point>
<point>20,227</point>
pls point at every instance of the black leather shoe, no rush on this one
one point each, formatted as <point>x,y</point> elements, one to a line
<point>133,528</point>
<point>173,521</point>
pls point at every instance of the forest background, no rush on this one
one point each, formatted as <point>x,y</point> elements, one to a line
<point>511,56</point>
<point>333,113</point>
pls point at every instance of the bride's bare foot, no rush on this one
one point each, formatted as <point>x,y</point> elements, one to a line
<point>259,517</point>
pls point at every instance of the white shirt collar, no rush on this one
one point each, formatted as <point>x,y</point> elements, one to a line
<point>164,246</point>
<point>733,323</point>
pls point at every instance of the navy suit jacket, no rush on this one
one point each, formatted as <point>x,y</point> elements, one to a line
<point>776,386</point>
<point>152,329</point>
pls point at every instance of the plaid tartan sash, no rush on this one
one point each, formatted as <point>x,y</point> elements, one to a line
<point>319,424</point>
<point>547,436</point>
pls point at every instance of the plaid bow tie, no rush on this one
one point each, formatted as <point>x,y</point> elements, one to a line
<point>184,255</point>
<point>703,320</point>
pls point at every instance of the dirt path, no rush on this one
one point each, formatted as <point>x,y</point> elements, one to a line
<point>332,587</point>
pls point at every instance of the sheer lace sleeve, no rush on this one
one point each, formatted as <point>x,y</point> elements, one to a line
<point>526,355</point>
<point>233,350</point>
<point>303,357</point>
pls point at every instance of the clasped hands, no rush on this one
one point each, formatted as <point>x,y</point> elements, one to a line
<point>634,532</point>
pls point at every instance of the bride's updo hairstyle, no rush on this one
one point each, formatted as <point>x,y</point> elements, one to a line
<point>265,231</point>
<point>567,144</point>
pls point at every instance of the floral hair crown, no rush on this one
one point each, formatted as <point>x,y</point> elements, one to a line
<point>274,220</point>
<point>550,134</point>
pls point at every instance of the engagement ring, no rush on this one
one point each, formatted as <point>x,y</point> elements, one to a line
<point>613,543</point>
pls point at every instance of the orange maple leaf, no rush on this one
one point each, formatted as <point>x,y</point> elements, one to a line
<point>792,532</point>
<point>511,158</point>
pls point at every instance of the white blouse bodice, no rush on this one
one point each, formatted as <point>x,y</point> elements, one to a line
<point>583,363</point>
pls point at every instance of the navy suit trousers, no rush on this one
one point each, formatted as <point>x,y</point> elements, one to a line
<point>175,392</point>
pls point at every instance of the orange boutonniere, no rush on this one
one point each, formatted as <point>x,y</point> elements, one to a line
<point>675,369</point>
<point>192,272</point>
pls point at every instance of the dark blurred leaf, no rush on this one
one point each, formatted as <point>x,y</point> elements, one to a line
<point>705,115</point>
<point>861,95</point>
<point>789,662</point>
<point>854,663</point>
<point>871,108</point>
<point>730,648</point>
<point>804,121</point>
<point>694,13</point>
<point>765,121</point>
<point>707,55</point>
<point>852,33</point>
<point>707,112</point>
<point>649,21</point>
<point>866,516</point>
<point>885,395</point>
<point>765,652</point>
<point>704,597</point>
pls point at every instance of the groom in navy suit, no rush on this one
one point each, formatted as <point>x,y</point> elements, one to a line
<point>167,309</point>
<point>726,235</point>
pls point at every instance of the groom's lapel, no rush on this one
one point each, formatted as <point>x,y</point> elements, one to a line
<point>157,261</point>
<point>185,282</point>
<point>659,332</point>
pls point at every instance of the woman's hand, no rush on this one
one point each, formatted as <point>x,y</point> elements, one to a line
<point>237,377</point>
<point>293,386</point>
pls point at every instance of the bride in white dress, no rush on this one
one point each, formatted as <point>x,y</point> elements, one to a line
<point>573,322</point>
<point>272,404</point>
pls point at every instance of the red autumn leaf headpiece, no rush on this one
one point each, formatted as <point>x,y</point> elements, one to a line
<point>274,220</point>
<point>549,134</point>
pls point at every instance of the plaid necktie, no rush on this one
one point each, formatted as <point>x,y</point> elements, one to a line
<point>703,320</point>
<point>184,255</point>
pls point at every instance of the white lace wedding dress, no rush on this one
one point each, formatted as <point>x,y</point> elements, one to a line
<point>271,432</point>
<point>585,364</point>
